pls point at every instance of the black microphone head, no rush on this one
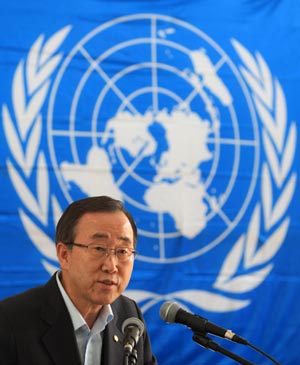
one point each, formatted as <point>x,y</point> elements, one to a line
<point>168,311</point>
<point>133,322</point>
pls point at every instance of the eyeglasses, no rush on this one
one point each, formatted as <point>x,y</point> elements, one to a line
<point>122,253</point>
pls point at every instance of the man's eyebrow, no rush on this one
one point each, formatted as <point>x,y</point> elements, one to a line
<point>125,239</point>
<point>100,235</point>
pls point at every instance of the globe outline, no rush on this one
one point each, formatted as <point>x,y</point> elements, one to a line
<point>52,149</point>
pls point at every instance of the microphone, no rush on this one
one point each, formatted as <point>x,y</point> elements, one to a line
<point>171,312</point>
<point>133,329</point>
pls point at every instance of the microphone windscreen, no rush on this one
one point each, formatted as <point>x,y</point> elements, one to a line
<point>168,311</point>
<point>133,322</point>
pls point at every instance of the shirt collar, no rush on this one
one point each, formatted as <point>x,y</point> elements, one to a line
<point>104,317</point>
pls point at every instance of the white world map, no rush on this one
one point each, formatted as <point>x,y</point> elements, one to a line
<point>177,187</point>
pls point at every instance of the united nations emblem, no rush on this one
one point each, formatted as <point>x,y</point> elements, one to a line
<point>150,110</point>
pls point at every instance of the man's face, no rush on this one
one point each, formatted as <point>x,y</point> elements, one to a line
<point>93,282</point>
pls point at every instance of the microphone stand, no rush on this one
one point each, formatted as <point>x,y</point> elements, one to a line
<point>206,342</point>
<point>130,358</point>
<point>125,359</point>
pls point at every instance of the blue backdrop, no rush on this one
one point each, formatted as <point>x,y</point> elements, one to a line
<point>189,112</point>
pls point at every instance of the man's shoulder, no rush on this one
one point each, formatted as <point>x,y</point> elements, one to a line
<point>21,297</point>
<point>124,300</point>
<point>29,298</point>
<point>126,306</point>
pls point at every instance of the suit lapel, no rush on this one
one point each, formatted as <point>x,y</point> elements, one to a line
<point>58,338</point>
<point>112,348</point>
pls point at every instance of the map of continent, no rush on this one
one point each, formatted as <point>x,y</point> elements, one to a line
<point>177,186</point>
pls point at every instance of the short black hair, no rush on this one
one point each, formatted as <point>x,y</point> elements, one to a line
<point>66,226</point>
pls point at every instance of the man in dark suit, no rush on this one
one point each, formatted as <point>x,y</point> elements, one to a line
<point>76,318</point>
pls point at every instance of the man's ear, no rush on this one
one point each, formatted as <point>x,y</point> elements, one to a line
<point>63,254</point>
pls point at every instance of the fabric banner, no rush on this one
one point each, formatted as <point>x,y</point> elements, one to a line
<point>189,112</point>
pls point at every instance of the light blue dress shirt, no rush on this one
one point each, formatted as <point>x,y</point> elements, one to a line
<point>89,340</point>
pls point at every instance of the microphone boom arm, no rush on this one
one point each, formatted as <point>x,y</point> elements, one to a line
<point>206,342</point>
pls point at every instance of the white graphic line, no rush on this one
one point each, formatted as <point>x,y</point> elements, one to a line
<point>84,134</point>
<point>161,236</point>
<point>154,67</point>
<point>191,96</point>
<point>224,217</point>
<point>219,212</point>
<point>105,77</point>
<point>231,141</point>
<point>132,166</point>
<point>219,64</point>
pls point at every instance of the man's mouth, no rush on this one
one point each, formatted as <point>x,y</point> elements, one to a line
<point>107,282</point>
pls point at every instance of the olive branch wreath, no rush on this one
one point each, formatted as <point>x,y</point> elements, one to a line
<point>30,87</point>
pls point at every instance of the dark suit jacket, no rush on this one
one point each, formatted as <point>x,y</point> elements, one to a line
<point>36,329</point>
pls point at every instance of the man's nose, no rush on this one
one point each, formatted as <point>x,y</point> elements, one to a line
<point>110,261</point>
